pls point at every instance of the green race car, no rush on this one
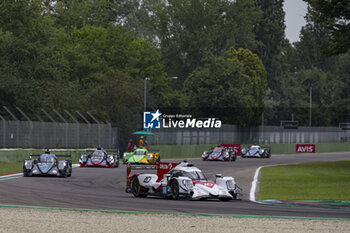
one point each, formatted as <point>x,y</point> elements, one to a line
<point>141,155</point>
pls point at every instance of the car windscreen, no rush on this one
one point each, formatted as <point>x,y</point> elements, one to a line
<point>140,152</point>
<point>194,175</point>
<point>217,150</point>
<point>47,159</point>
<point>98,153</point>
<point>255,147</point>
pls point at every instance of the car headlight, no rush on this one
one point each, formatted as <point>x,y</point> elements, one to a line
<point>226,154</point>
<point>83,158</point>
<point>65,164</point>
<point>188,184</point>
<point>149,157</point>
<point>110,158</point>
<point>126,156</point>
<point>244,151</point>
<point>205,154</point>
<point>28,164</point>
<point>230,185</point>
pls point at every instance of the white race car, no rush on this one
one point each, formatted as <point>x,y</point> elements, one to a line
<point>177,180</point>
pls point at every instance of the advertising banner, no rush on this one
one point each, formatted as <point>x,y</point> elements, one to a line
<point>305,148</point>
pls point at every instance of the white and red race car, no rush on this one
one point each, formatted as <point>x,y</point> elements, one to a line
<point>178,180</point>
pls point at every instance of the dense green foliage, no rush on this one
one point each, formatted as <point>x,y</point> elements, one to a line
<point>231,58</point>
<point>230,86</point>
<point>334,17</point>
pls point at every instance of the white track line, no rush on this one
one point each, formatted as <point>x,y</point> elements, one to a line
<point>254,183</point>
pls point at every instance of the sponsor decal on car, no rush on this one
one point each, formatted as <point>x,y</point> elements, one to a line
<point>305,148</point>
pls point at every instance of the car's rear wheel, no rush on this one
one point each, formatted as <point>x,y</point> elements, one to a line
<point>175,194</point>
<point>136,188</point>
<point>233,157</point>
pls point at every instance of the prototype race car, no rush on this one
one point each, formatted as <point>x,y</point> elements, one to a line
<point>141,155</point>
<point>99,158</point>
<point>177,180</point>
<point>47,165</point>
<point>219,153</point>
<point>256,151</point>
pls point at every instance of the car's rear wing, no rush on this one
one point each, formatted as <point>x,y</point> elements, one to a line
<point>232,147</point>
<point>161,167</point>
<point>130,166</point>
<point>37,155</point>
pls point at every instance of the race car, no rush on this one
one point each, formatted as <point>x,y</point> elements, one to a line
<point>141,155</point>
<point>177,180</point>
<point>219,153</point>
<point>47,164</point>
<point>99,158</point>
<point>256,151</point>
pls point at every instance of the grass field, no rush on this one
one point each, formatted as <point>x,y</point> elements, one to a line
<point>7,168</point>
<point>307,181</point>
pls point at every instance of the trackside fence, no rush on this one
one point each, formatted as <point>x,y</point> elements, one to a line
<point>32,134</point>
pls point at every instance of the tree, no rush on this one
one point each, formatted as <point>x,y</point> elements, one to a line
<point>269,31</point>
<point>335,17</point>
<point>76,13</point>
<point>27,68</point>
<point>231,87</point>
<point>188,30</point>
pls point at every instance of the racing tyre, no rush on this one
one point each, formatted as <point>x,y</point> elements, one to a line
<point>136,188</point>
<point>174,187</point>
<point>233,157</point>
<point>26,174</point>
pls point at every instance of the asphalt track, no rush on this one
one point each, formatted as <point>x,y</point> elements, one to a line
<point>104,189</point>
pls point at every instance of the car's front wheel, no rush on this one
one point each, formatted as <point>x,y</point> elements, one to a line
<point>175,190</point>
<point>233,157</point>
<point>136,188</point>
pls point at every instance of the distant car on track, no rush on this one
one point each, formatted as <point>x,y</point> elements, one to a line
<point>99,158</point>
<point>47,164</point>
<point>256,151</point>
<point>142,156</point>
<point>219,153</point>
<point>175,180</point>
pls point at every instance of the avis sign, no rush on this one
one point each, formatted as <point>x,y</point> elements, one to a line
<point>305,148</point>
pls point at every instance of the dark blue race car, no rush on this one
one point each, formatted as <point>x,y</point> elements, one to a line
<point>219,153</point>
<point>47,164</point>
<point>256,151</point>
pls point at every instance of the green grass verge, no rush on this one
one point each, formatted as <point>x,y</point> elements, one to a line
<point>307,181</point>
<point>195,151</point>
<point>7,168</point>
